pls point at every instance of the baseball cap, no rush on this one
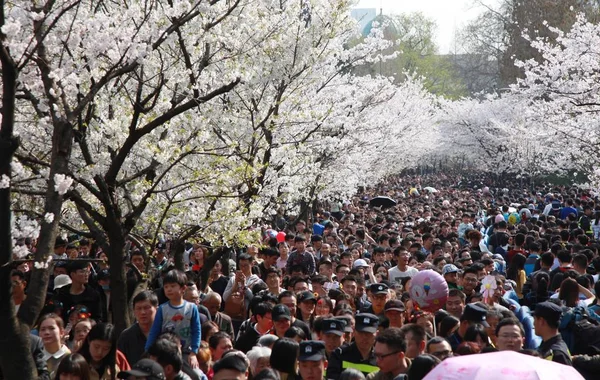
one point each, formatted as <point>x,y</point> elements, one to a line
<point>333,326</point>
<point>475,313</point>
<point>549,311</point>
<point>394,305</point>
<point>306,296</point>
<point>347,320</point>
<point>103,275</point>
<point>311,351</point>
<point>61,280</point>
<point>378,288</point>
<point>366,322</point>
<point>161,246</point>
<point>147,368</point>
<point>449,268</point>
<point>280,312</point>
<point>360,263</point>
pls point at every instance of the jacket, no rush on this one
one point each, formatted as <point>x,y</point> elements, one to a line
<point>349,357</point>
<point>388,376</point>
<point>555,349</point>
<point>90,298</point>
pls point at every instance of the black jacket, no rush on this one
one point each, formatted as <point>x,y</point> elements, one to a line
<point>349,357</point>
<point>248,340</point>
<point>90,298</point>
<point>555,349</point>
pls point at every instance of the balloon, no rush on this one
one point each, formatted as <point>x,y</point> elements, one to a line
<point>271,233</point>
<point>429,290</point>
<point>514,218</point>
<point>280,237</point>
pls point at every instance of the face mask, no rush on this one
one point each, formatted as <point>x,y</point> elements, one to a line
<point>105,287</point>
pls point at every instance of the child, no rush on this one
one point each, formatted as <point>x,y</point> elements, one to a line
<point>177,316</point>
<point>463,228</point>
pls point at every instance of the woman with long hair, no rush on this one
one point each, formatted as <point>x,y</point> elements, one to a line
<point>477,333</point>
<point>284,358</point>
<point>516,272</point>
<point>448,326</point>
<point>79,332</point>
<point>196,263</point>
<point>306,307</point>
<point>52,332</point>
<point>572,294</point>
<point>539,290</point>
<point>100,350</point>
<point>324,306</point>
<point>283,249</point>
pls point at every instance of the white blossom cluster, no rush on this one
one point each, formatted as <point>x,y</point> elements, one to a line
<point>288,122</point>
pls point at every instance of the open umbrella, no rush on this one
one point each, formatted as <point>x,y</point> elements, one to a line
<point>383,202</point>
<point>501,365</point>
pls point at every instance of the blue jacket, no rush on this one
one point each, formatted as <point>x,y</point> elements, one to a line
<point>530,263</point>
<point>522,313</point>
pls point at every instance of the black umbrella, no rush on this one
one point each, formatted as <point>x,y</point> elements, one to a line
<point>383,202</point>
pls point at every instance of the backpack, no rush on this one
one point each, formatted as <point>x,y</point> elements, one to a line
<point>580,331</point>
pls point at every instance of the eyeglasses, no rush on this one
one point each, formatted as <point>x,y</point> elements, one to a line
<point>383,356</point>
<point>471,279</point>
<point>510,336</point>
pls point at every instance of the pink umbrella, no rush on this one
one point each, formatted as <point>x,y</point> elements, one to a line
<point>501,366</point>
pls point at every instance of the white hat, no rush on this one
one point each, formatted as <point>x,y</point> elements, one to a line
<point>360,263</point>
<point>61,280</point>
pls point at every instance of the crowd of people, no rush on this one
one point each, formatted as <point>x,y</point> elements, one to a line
<point>331,299</point>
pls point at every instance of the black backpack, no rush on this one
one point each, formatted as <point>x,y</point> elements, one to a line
<point>580,331</point>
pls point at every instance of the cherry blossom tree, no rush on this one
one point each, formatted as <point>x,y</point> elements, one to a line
<point>562,92</point>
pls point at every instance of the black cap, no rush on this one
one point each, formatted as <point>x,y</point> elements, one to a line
<point>366,322</point>
<point>161,246</point>
<point>144,368</point>
<point>280,312</point>
<point>104,274</point>
<point>306,296</point>
<point>347,320</point>
<point>312,351</point>
<point>475,313</point>
<point>333,326</point>
<point>549,311</point>
<point>394,305</point>
<point>379,288</point>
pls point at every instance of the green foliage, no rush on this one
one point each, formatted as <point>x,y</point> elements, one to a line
<point>416,54</point>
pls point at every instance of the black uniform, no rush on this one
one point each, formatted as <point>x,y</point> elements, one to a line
<point>349,357</point>
<point>555,349</point>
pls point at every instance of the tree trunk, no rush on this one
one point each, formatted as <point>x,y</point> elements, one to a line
<point>121,311</point>
<point>221,253</point>
<point>16,361</point>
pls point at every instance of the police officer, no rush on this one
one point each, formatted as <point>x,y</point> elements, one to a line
<point>379,294</point>
<point>312,360</point>
<point>546,321</point>
<point>332,334</point>
<point>359,354</point>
